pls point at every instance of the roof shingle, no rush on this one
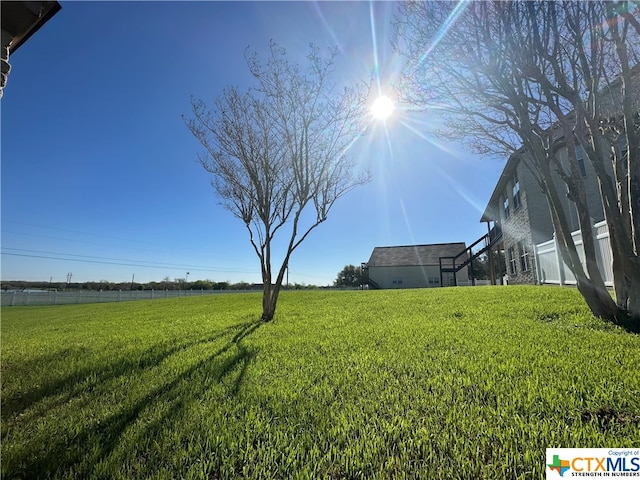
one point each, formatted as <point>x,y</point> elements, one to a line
<point>413,255</point>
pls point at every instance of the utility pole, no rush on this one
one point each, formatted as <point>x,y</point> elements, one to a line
<point>69,275</point>
<point>132,277</point>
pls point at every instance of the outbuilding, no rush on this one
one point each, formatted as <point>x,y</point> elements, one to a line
<point>416,266</point>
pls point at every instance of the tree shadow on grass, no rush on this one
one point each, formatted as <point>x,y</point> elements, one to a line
<point>72,384</point>
<point>92,444</point>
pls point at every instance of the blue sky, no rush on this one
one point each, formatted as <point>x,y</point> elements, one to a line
<point>100,172</point>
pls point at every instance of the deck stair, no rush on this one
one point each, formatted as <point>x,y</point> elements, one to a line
<point>450,266</point>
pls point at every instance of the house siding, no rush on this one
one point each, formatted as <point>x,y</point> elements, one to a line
<point>591,188</point>
<point>406,276</point>
<point>516,230</point>
<point>531,223</point>
<point>537,210</point>
<point>415,266</point>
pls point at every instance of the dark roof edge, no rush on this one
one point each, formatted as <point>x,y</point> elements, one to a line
<point>53,8</point>
<point>423,245</point>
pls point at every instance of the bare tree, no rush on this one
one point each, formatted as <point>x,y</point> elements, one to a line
<point>536,79</point>
<point>280,153</point>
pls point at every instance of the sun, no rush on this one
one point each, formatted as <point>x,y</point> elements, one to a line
<point>382,107</point>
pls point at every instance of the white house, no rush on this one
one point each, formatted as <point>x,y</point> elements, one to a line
<point>416,266</point>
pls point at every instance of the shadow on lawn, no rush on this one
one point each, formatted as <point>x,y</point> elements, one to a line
<point>72,384</point>
<point>93,444</point>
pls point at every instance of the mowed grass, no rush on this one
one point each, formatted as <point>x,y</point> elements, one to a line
<point>441,383</point>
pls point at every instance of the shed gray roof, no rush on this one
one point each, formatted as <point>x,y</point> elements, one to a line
<point>414,255</point>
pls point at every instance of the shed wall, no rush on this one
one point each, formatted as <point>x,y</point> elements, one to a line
<point>419,276</point>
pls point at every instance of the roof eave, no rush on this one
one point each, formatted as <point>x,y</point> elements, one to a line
<point>492,211</point>
<point>47,10</point>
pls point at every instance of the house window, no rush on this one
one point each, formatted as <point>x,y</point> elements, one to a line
<point>581,167</point>
<point>524,256</point>
<point>434,281</point>
<point>397,280</point>
<point>512,261</point>
<point>516,193</point>
<point>505,206</point>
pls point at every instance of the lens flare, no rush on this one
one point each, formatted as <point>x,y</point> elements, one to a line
<point>382,108</point>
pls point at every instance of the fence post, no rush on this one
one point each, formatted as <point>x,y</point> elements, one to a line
<point>599,255</point>
<point>26,299</point>
<point>559,260</point>
<point>55,298</point>
<point>536,261</point>
<point>605,254</point>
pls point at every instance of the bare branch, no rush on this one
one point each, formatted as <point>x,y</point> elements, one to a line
<point>280,149</point>
<point>538,77</point>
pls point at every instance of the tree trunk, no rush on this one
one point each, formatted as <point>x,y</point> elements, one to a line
<point>634,302</point>
<point>269,301</point>
<point>626,265</point>
<point>268,309</point>
<point>271,292</point>
<point>594,292</point>
<point>600,303</point>
<point>268,306</point>
<point>269,296</point>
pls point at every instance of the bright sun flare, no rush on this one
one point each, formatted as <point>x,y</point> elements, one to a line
<point>382,108</point>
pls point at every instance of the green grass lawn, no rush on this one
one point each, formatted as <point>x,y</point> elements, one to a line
<point>441,383</point>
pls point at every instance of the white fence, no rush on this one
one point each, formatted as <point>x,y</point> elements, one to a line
<point>53,297</point>
<point>469,283</point>
<point>551,269</point>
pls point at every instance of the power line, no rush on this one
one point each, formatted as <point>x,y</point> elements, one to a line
<point>60,229</point>
<point>88,242</point>
<point>126,263</point>
<point>114,261</point>
<point>101,258</point>
<point>105,240</point>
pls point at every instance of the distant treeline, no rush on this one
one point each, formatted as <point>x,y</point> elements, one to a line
<point>178,284</point>
<point>105,286</point>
